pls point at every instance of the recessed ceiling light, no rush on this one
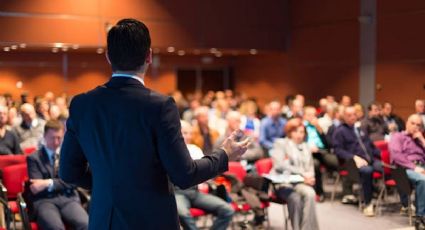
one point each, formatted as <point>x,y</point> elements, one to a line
<point>6,49</point>
<point>181,52</point>
<point>75,46</point>
<point>65,48</point>
<point>14,47</point>
<point>253,51</point>
<point>99,50</point>
<point>57,45</point>
<point>22,45</point>
<point>171,49</point>
<point>55,50</point>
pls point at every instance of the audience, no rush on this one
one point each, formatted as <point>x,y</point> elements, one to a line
<point>374,125</point>
<point>30,131</point>
<point>292,155</point>
<point>9,142</point>
<point>192,198</point>
<point>408,151</point>
<point>55,202</point>
<point>394,123</point>
<point>204,136</point>
<point>254,151</point>
<point>420,109</point>
<point>351,143</point>
<point>271,126</point>
<point>318,139</point>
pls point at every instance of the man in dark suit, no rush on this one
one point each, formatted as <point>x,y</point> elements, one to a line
<point>130,138</point>
<point>53,199</point>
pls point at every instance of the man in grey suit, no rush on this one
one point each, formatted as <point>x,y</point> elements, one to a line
<point>130,137</point>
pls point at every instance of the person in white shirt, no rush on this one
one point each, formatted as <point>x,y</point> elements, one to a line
<point>192,198</point>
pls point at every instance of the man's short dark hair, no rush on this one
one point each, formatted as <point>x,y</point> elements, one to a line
<point>373,103</point>
<point>53,125</point>
<point>128,44</point>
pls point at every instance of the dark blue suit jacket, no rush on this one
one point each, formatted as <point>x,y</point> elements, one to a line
<point>130,137</point>
<point>39,167</point>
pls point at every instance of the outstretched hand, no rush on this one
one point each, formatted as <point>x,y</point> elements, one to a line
<point>234,147</point>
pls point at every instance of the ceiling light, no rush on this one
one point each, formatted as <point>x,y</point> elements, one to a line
<point>181,52</point>
<point>171,49</point>
<point>55,50</point>
<point>99,50</point>
<point>253,51</point>
<point>14,47</point>
<point>75,46</point>
<point>22,45</point>
<point>6,49</point>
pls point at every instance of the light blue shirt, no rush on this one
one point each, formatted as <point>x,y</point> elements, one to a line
<point>271,129</point>
<point>313,137</point>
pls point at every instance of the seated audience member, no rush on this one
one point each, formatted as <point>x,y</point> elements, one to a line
<point>250,124</point>
<point>327,119</point>
<point>9,142</point>
<point>345,101</point>
<point>271,126</point>
<point>189,114</point>
<point>204,136</point>
<point>55,202</point>
<point>373,125</point>
<point>217,115</point>
<point>359,112</point>
<point>13,118</point>
<point>30,131</point>
<point>192,198</point>
<point>408,150</point>
<point>337,121</point>
<point>323,104</point>
<point>292,155</point>
<point>316,140</point>
<point>254,151</point>
<point>420,109</point>
<point>288,103</point>
<point>394,123</point>
<point>42,109</point>
<point>352,143</point>
<point>296,109</point>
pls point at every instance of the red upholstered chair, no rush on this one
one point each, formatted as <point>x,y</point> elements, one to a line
<point>264,166</point>
<point>14,177</point>
<point>7,160</point>
<point>30,150</point>
<point>389,182</point>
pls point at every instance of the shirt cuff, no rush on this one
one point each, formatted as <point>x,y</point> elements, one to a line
<point>51,186</point>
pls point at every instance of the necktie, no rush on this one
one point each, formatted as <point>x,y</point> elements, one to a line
<point>56,164</point>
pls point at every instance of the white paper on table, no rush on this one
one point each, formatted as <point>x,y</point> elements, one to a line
<point>284,178</point>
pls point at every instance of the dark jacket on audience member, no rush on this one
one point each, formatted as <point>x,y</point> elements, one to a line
<point>375,127</point>
<point>9,144</point>
<point>346,144</point>
<point>130,137</point>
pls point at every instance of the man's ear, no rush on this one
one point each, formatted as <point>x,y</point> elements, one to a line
<point>107,57</point>
<point>148,59</point>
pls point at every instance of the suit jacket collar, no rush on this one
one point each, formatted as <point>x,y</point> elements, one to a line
<point>44,156</point>
<point>118,82</point>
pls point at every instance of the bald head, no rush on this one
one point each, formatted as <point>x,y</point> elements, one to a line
<point>233,119</point>
<point>350,115</point>
<point>186,130</point>
<point>414,124</point>
<point>28,112</point>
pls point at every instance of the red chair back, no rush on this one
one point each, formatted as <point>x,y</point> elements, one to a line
<point>236,169</point>
<point>7,160</point>
<point>14,177</point>
<point>30,150</point>
<point>381,145</point>
<point>264,166</point>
